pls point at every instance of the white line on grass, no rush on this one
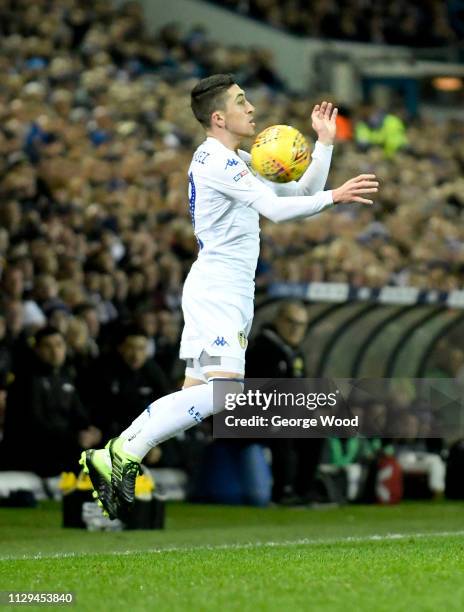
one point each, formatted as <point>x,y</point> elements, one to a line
<point>241,546</point>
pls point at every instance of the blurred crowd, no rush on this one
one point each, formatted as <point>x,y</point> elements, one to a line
<point>96,135</point>
<point>416,23</point>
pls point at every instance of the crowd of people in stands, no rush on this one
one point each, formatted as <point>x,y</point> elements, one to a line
<point>96,135</point>
<point>430,23</point>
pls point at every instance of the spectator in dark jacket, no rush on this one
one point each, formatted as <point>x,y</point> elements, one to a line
<point>126,382</point>
<point>46,426</point>
<point>276,350</point>
<point>276,353</point>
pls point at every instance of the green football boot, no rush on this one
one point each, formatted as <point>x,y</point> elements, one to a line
<point>125,469</point>
<point>97,464</point>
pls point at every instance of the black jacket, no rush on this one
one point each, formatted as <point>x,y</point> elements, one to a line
<point>270,357</point>
<point>44,415</point>
<point>121,394</point>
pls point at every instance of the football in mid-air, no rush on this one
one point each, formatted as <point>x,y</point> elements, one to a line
<point>280,154</point>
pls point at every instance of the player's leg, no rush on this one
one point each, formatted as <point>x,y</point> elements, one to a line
<point>98,463</point>
<point>192,382</point>
<point>114,469</point>
<point>213,344</point>
<point>193,377</point>
<point>177,412</point>
<point>165,418</point>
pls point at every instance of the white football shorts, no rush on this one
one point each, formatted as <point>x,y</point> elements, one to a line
<point>216,328</point>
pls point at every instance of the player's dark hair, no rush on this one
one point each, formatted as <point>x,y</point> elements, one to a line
<point>208,95</point>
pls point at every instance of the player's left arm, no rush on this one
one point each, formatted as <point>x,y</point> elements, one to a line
<point>323,120</point>
<point>324,123</point>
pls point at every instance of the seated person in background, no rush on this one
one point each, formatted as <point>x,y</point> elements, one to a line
<point>46,425</point>
<point>417,453</point>
<point>361,457</point>
<point>125,382</point>
<point>276,352</point>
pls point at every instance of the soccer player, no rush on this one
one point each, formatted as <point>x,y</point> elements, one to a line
<point>226,199</point>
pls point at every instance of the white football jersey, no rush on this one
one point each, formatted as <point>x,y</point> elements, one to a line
<point>222,189</point>
<point>225,197</point>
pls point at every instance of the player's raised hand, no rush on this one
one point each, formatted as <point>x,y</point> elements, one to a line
<point>324,117</point>
<point>355,188</point>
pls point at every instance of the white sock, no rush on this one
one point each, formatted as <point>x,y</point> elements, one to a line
<point>168,416</point>
<point>136,425</point>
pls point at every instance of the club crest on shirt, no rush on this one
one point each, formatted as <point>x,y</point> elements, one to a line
<point>242,339</point>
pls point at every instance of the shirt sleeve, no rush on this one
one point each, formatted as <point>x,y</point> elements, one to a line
<point>233,179</point>
<point>286,208</point>
<point>238,183</point>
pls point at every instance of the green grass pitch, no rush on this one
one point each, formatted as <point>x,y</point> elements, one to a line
<point>401,558</point>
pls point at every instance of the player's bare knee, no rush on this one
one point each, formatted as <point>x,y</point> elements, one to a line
<point>189,381</point>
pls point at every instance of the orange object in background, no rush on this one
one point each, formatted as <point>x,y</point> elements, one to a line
<point>344,128</point>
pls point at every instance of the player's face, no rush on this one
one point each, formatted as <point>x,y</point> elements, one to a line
<point>239,113</point>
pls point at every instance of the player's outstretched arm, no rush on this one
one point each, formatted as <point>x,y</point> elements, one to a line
<point>295,207</point>
<point>315,177</point>
<point>323,121</point>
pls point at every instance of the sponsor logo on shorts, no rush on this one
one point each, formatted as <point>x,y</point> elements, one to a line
<point>220,341</point>
<point>242,339</point>
<point>238,176</point>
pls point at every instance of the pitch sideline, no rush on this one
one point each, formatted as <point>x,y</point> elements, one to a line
<point>241,546</point>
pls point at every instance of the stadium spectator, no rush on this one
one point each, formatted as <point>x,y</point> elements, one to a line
<point>125,382</point>
<point>58,316</point>
<point>146,320</point>
<point>82,356</point>
<point>415,24</point>
<point>167,343</point>
<point>87,312</point>
<point>381,128</point>
<point>418,453</point>
<point>90,213</point>
<point>45,292</point>
<point>43,408</point>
